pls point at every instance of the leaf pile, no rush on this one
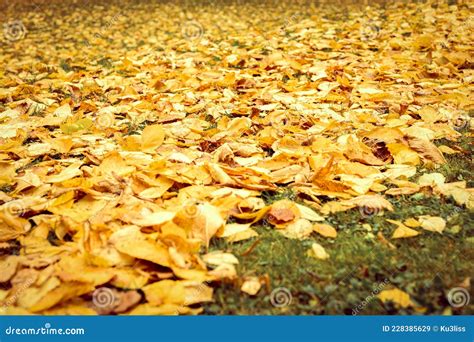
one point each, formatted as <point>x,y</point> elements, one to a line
<point>131,136</point>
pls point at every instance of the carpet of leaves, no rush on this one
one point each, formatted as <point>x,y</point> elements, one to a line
<point>135,134</point>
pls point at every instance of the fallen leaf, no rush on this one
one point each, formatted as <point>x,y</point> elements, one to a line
<point>8,267</point>
<point>325,230</point>
<point>396,296</point>
<point>131,241</point>
<point>426,149</point>
<point>432,223</point>
<point>317,251</point>
<point>217,258</point>
<point>282,212</point>
<point>402,231</point>
<point>251,286</point>
<point>299,229</point>
<point>431,179</point>
<point>152,137</point>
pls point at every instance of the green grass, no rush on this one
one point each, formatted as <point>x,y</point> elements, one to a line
<point>426,266</point>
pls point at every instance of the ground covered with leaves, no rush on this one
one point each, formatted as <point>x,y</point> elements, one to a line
<point>236,158</point>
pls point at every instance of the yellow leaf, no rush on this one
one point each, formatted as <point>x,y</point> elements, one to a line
<point>129,279</point>
<point>62,293</point>
<point>431,179</point>
<point>458,191</point>
<point>426,149</point>
<point>317,251</point>
<point>217,258</point>
<point>235,232</point>
<point>69,172</point>
<point>411,222</point>
<point>371,204</point>
<point>402,154</point>
<point>432,223</point>
<point>325,230</point>
<point>300,229</point>
<point>308,213</point>
<point>7,173</point>
<point>204,220</point>
<point>63,112</point>
<point>197,292</point>
<point>402,231</point>
<point>398,297</point>
<point>8,267</point>
<point>358,184</point>
<point>152,137</point>
<point>75,268</point>
<point>76,126</point>
<point>130,241</point>
<point>154,219</point>
<point>165,292</point>
<point>114,163</point>
<point>65,200</point>
<point>251,286</point>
